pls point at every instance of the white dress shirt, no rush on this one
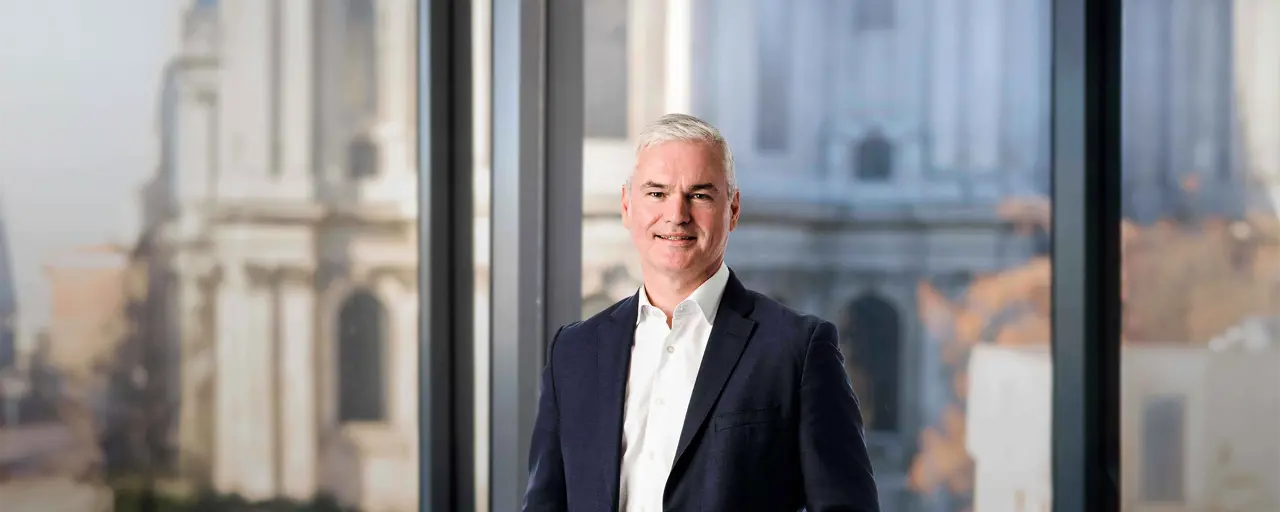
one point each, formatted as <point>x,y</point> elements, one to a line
<point>664,366</point>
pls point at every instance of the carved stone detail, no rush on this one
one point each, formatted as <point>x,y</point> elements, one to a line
<point>260,276</point>
<point>265,276</point>
<point>406,276</point>
<point>210,277</point>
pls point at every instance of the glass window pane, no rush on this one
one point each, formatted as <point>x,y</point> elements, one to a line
<point>1201,268</point>
<point>893,161</point>
<point>208,254</point>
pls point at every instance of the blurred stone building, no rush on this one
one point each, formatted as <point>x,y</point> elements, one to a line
<point>281,252</point>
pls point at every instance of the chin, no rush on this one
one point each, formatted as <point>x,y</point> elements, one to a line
<point>679,265</point>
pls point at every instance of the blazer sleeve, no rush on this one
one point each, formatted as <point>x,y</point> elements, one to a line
<point>833,452</point>
<point>546,490</point>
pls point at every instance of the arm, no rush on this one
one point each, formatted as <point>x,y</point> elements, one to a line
<point>833,453</point>
<point>546,490</point>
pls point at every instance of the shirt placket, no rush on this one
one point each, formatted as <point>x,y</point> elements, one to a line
<point>661,413</point>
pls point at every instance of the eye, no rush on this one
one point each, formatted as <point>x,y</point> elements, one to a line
<point>657,195</point>
<point>700,196</point>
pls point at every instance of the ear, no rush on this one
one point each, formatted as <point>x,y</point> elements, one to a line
<point>626,205</point>
<point>735,209</point>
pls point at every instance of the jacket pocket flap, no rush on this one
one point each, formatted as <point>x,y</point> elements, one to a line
<point>748,417</point>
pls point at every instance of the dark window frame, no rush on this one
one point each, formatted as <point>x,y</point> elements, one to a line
<point>446,382</point>
<point>1086,183</point>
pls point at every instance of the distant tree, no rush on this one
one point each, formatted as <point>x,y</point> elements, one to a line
<point>135,436</point>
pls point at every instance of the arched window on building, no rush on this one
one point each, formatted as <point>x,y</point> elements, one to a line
<point>873,157</point>
<point>362,381</point>
<point>360,58</point>
<point>871,346</point>
<point>362,158</point>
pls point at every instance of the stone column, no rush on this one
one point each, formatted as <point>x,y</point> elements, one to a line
<point>245,92</point>
<point>987,73</point>
<point>646,45</point>
<point>678,61</point>
<point>394,133</point>
<point>297,95</point>
<point>246,363</point>
<point>225,292</point>
<point>946,74</point>
<point>196,153</point>
<point>296,394</point>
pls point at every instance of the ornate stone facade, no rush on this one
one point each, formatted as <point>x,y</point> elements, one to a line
<point>283,221</point>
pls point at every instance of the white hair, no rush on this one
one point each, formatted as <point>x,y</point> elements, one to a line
<point>687,128</point>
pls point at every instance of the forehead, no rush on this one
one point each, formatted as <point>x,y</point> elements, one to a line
<point>680,160</point>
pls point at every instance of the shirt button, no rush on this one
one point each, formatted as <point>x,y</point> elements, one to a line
<point>671,348</point>
<point>651,456</point>
<point>661,402</point>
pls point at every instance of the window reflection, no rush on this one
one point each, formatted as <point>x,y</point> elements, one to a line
<point>883,148</point>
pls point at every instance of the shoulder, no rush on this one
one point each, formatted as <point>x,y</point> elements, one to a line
<point>777,321</point>
<point>573,336</point>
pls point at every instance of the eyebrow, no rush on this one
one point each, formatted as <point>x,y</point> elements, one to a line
<point>701,187</point>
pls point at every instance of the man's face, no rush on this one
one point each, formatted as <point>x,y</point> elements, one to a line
<point>679,208</point>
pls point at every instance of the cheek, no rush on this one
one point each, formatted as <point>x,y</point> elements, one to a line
<point>640,224</point>
<point>712,221</point>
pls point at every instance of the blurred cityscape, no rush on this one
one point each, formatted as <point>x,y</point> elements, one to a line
<point>252,343</point>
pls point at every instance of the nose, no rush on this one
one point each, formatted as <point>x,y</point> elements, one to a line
<point>677,211</point>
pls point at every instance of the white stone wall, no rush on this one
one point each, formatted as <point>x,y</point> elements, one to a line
<point>1009,428</point>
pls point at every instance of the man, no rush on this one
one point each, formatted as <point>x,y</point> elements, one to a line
<point>695,394</point>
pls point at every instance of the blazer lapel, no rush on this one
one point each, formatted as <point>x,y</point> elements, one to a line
<point>728,338</point>
<point>613,367</point>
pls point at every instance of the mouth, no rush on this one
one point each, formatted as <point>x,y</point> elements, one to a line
<point>676,238</point>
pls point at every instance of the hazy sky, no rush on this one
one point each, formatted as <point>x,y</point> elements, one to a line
<point>78,86</point>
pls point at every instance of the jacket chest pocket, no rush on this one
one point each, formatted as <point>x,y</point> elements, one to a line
<point>749,436</point>
<point>766,417</point>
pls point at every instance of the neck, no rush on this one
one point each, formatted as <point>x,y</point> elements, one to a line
<point>666,291</point>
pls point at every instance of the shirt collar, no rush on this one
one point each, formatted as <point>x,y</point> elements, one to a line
<point>707,296</point>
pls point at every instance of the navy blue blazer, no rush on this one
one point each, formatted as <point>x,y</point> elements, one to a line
<point>772,425</point>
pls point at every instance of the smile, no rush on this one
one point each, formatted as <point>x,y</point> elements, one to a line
<point>675,238</point>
